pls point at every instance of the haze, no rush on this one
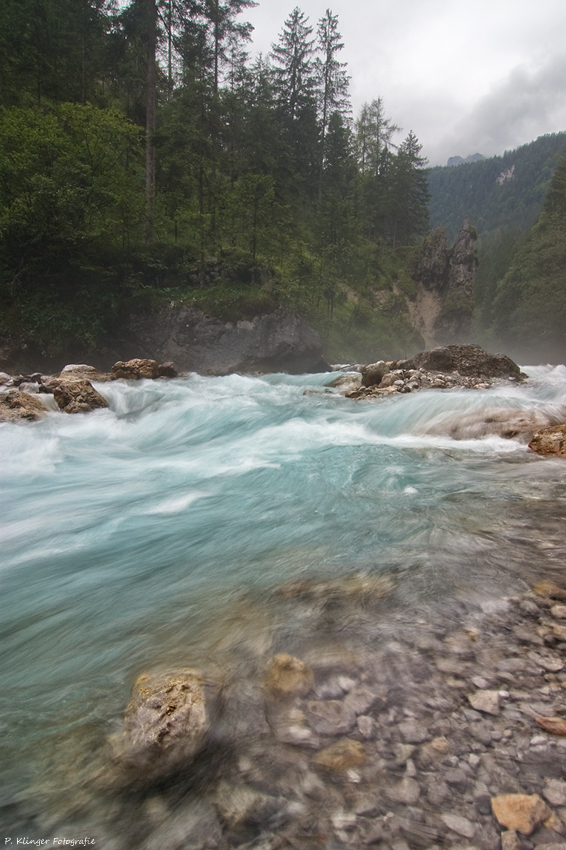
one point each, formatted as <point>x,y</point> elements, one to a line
<point>483,77</point>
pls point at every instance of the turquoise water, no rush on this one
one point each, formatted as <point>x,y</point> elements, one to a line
<point>158,532</point>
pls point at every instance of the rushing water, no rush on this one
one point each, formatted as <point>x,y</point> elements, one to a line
<point>158,532</point>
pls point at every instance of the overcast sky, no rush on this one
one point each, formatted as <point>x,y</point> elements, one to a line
<point>483,76</point>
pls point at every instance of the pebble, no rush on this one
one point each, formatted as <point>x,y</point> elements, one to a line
<point>460,825</point>
<point>486,701</point>
<point>407,791</point>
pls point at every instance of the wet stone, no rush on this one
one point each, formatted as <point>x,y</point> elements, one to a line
<point>413,732</point>
<point>407,791</point>
<point>330,717</point>
<point>555,792</point>
<point>366,727</point>
<point>341,756</point>
<point>485,701</point>
<point>510,840</point>
<point>460,825</point>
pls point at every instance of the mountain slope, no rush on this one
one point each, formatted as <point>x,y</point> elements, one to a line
<point>530,304</point>
<point>504,192</point>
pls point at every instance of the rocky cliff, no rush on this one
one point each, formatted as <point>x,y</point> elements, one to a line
<point>277,342</point>
<point>445,277</point>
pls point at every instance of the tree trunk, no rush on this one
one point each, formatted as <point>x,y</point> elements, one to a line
<point>151,98</point>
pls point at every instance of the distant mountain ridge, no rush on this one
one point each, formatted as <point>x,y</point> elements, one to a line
<point>458,160</point>
<point>502,192</point>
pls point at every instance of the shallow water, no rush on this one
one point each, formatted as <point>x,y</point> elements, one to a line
<point>159,532</point>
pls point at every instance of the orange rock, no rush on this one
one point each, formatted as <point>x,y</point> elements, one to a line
<point>523,812</point>
<point>554,725</point>
<point>550,441</point>
<point>549,589</point>
<point>341,756</point>
<point>288,675</point>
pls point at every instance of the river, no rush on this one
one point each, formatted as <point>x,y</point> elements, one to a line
<point>163,532</point>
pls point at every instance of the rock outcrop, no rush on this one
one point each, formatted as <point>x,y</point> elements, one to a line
<point>469,360</point>
<point>16,406</point>
<point>445,277</point>
<point>276,342</point>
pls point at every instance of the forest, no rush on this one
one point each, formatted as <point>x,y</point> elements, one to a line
<point>146,158</point>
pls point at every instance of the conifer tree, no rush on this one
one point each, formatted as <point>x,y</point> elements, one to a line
<point>332,80</point>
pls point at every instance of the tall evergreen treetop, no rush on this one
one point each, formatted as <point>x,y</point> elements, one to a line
<point>293,64</point>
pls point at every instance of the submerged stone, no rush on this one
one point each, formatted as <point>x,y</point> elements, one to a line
<point>522,812</point>
<point>164,727</point>
<point>288,675</point>
<point>341,756</point>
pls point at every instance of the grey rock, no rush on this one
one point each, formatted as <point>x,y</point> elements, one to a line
<point>438,792</point>
<point>330,717</point>
<point>373,373</point>
<point>361,700</point>
<point>486,701</point>
<point>510,840</point>
<point>16,406</point>
<point>555,792</point>
<point>457,778</point>
<point>413,732</point>
<point>460,825</point>
<point>467,360</point>
<point>407,791</point>
<point>366,726</point>
<point>165,725</point>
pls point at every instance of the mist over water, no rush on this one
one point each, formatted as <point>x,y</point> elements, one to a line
<point>160,532</point>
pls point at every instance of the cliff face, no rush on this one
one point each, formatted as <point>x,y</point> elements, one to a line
<point>445,278</point>
<point>276,342</point>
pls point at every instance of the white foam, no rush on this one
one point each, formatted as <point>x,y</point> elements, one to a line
<point>175,505</point>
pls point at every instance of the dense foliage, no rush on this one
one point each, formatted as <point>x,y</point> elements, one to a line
<point>506,190</point>
<point>530,302</point>
<point>145,157</point>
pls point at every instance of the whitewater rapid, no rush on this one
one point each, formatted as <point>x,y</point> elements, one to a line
<point>157,531</point>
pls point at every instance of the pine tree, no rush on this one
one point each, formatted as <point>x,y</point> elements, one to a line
<point>332,79</point>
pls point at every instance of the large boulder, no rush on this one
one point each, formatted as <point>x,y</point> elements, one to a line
<point>280,341</point>
<point>82,371</point>
<point>165,725</point>
<point>16,406</point>
<point>78,396</point>
<point>550,441</point>
<point>136,369</point>
<point>470,360</point>
<point>373,373</point>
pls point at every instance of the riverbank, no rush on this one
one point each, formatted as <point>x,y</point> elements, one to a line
<point>451,733</point>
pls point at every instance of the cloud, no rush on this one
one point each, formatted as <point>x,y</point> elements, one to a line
<point>528,103</point>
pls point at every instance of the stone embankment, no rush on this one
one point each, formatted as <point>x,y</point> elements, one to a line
<point>448,735</point>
